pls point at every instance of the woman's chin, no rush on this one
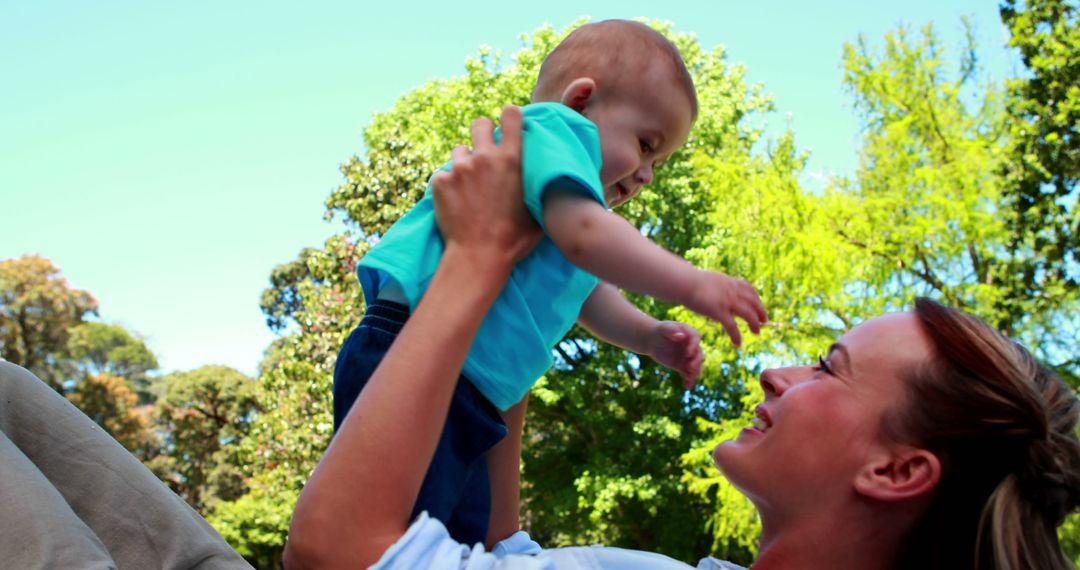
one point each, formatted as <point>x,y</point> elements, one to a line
<point>733,451</point>
<point>725,452</point>
<point>730,458</point>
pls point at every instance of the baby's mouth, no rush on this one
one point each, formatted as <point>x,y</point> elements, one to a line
<point>618,194</point>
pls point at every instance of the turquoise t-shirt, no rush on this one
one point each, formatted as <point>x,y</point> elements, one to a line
<point>542,299</point>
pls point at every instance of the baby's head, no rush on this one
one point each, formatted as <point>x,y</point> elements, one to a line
<point>631,81</point>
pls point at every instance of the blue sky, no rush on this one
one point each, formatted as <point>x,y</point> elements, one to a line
<point>167,155</point>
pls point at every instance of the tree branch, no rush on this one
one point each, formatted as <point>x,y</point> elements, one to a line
<point>977,263</point>
<point>566,357</point>
<point>221,421</point>
<point>946,151</point>
<point>927,274</point>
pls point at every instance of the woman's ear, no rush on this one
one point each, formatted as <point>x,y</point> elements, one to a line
<point>578,93</point>
<point>897,474</point>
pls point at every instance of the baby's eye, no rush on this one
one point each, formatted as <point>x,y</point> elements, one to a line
<point>645,146</point>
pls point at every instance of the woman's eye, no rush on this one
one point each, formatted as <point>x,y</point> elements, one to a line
<point>824,365</point>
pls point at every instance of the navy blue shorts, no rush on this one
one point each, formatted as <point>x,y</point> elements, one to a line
<point>456,489</point>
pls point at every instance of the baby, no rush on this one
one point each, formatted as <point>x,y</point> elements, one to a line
<point>611,103</point>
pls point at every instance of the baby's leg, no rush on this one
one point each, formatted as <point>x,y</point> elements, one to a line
<point>459,470</point>
<point>504,470</point>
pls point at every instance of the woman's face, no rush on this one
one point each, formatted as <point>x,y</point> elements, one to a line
<point>820,424</point>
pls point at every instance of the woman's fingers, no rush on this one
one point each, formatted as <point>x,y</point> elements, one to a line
<point>459,153</point>
<point>483,134</point>
<point>511,130</point>
<point>478,203</point>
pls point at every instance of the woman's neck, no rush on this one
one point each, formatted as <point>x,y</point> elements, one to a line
<point>829,540</point>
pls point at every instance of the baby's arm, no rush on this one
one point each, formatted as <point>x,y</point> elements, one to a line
<point>504,472</point>
<point>609,247</point>
<point>613,319</point>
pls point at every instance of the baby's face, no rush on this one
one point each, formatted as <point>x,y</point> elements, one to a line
<point>638,131</point>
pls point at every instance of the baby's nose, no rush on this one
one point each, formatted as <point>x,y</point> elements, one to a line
<point>645,174</point>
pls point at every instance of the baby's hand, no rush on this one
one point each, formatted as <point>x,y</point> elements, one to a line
<point>722,298</point>
<point>677,346</point>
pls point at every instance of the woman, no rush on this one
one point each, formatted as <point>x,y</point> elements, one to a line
<point>923,440</point>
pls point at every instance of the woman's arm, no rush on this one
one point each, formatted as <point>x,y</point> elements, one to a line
<point>357,502</point>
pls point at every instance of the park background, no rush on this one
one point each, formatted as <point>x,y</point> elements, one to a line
<point>186,190</point>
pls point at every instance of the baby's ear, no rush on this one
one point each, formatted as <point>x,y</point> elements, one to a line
<point>899,473</point>
<point>577,94</point>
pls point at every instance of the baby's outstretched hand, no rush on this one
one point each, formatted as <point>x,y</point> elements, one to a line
<point>677,346</point>
<point>722,298</point>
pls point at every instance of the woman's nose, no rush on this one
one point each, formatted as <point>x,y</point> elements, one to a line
<point>774,382</point>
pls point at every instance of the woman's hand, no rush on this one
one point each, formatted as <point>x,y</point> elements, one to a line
<point>479,205</point>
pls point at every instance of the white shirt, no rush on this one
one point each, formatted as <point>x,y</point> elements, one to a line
<point>427,545</point>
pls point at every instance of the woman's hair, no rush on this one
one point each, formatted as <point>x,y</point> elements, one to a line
<point>1004,428</point>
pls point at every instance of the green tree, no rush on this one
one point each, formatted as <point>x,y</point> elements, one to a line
<point>113,405</point>
<point>102,348</point>
<point>204,414</point>
<point>927,173</point>
<point>256,524</point>
<point>37,311</point>
<point>934,146</point>
<point>763,225</point>
<point>1042,165</point>
<point>100,367</point>
<point>316,301</point>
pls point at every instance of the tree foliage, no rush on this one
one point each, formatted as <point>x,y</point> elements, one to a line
<point>316,300</point>
<point>110,401</point>
<point>102,348</point>
<point>1042,165</point>
<point>203,414</point>
<point>37,311</point>
<point>939,210</point>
